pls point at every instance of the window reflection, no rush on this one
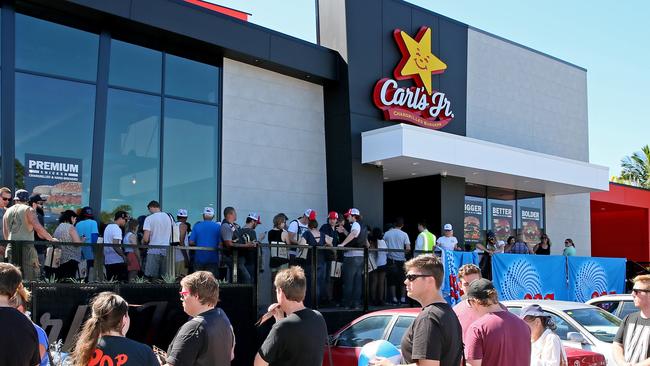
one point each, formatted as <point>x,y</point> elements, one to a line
<point>131,151</point>
<point>135,67</point>
<point>190,156</point>
<point>190,79</point>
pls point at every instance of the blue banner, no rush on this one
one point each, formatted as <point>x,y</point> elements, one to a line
<point>522,276</point>
<point>592,277</point>
<point>452,261</point>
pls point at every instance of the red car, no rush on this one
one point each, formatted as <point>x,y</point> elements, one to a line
<point>391,324</point>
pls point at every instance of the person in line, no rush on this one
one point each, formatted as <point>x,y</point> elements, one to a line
<point>546,346</point>
<point>544,246</point>
<point>231,238</point>
<point>631,345</point>
<point>448,241</point>
<point>20,222</point>
<point>467,274</point>
<point>569,248</point>
<point>296,228</point>
<point>278,235</point>
<point>378,276</point>
<point>395,238</point>
<point>103,337</point>
<point>88,229</point>
<point>353,260</point>
<point>70,255</point>
<point>329,237</point>
<point>498,337</point>
<point>313,239</point>
<point>207,339</point>
<point>206,234</point>
<point>519,246</point>
<point>157,231</point>
<point>426,241</point>
<point>182,257</point>
<point>435,336</point>
<point>299,334</point>
<point>133,260</point>
<point>20,346</point>
<point>5,197</point>
<point>114,258</point>
<point>249,254</point>
<point>19,302</point>
<point>36,201</point>
<point>488,249</point>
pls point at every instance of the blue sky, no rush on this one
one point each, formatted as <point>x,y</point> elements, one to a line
<point>611,40</point>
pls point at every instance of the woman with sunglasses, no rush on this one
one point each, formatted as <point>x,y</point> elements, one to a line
<point>569,248</point>
<point>546,346</point>
<point>103,336</point>
<point>544,246</point>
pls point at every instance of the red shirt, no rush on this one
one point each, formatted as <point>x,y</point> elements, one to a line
<point>466,315</point>
<point>499,339</point>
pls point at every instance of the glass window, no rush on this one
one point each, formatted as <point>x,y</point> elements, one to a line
<point>367,330</point>
<point>400,327</point>
<point>131,152</point>
<point>190,157</point>
<point>610,306</point>
<point>55,49</point>
<point>191,79</point>
<point>627,308</point>
<point>530,216</point>
<point>474,222</point>
<point>563,327</point>
<point>501,209</point>
<point>598,322</point>
<point>135,67</point>
<point>54,125</point>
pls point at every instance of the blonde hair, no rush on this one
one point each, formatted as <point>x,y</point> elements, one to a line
<point>644,279</point>
<point>468,269</point>
<point>292,282</point>
<point>203,285</point>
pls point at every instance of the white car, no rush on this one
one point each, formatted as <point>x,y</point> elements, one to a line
<point>617,304</point>
<point>578,325</point>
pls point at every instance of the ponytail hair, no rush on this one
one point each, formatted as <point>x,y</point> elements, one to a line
<point>108,310</point>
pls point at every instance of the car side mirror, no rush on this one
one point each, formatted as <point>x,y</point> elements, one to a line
<point>576,337</point>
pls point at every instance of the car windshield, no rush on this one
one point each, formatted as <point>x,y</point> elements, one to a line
<point>596,321</point>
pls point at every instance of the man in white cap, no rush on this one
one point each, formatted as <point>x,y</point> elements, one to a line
<point>353,260</point>
<point>448,241</point>
<point>298,227</point>
<point>249,235</point>
<point>207,234</point>
<point>182,256</point>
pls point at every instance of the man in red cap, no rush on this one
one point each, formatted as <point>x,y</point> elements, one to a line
<point>329,237</point>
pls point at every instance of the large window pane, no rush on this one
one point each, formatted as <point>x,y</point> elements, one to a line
<point>55,49</point>
<point>54,120</point>
<point>131,152</point>
<point>191,79</point>
<point>501,210</point>
<point>191,146</point>
<point>135,67</point>
<point>530,216</point>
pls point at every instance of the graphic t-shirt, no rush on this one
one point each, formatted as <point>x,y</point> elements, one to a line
<point>435,335</point>
<point>499,338</point>
<point>122,351</point>
<point>22,337</point>
<point>298,339</point>
<point>634,335</point>
<point>159,225</point>
<point>112,232</point>
<point>206,234</point>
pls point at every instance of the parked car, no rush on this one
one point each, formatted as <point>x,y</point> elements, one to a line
<point>579,325</point>
<point>617,304</point>
<point>391,324</point>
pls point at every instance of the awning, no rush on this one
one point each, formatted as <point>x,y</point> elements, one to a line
<point>406,151</point>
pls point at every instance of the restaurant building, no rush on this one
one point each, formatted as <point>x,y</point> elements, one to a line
<point>398,111</point>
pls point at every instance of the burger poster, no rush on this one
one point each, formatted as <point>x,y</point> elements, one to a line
<point>55,177</point>
<point>531,223</point>
<point>473,223</point>
<point>502,220</point>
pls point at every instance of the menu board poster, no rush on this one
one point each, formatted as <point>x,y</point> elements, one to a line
<point>531,219</point>
<point>502,216</point>
<point>55,178</point>
<point>473,222</point>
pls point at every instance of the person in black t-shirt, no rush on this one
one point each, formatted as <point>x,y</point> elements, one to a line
<point>18,338</point>
<point>102,336</point>
<point>435,334</point>
<point>299,334</point>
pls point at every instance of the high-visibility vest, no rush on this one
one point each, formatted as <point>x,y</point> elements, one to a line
<point>428,240</point>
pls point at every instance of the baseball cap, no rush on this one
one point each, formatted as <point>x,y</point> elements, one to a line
<point>478,289</point>
<point>255,216</point>
<point>36,198</point>
<point>181,212</point>
<point>353,211</point>
<point>311,214</point>
<point>333,215</point>
<point>21,195</point>
<point>208,211</point>
<point>86,212</point>
<point>532,310</point>
<point>447,227</point>
<point>121,215</point>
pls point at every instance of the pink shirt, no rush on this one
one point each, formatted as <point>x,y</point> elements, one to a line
<point>499,339</point>
<point>466,316</point>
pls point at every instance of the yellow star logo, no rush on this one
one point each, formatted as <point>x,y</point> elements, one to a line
<point>417,60</point>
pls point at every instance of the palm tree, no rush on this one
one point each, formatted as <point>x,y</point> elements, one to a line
<point>636,168</point>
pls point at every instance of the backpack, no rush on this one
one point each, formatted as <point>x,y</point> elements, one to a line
<point>175,238</point>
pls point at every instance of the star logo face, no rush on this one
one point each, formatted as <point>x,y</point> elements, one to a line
<point>417,62</point>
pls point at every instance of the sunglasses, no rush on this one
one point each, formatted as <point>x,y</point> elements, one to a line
<point>5,199</point>
<point>413,277</point>
<point>183,294</point>
<point>636,291</point>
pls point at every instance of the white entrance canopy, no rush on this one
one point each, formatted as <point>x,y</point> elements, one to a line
<point>406,151</point>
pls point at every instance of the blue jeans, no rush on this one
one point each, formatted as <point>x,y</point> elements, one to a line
<point>352,271</point>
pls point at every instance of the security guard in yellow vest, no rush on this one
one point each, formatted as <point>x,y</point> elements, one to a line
<point>425,241</point>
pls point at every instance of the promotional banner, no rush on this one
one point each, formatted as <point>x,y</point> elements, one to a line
<point>522,276</point>
<point>502,220</point>
<point>453,260</point>
<point>57,178</point>
<point>591,277</point>
<point>473,222</point>
<point>531,224</point>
